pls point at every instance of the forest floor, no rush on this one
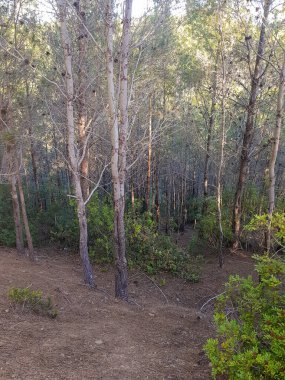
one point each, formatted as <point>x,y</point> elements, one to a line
<point>160,336</point>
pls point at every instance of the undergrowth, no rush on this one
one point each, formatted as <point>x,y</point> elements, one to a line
<point>33,300</point>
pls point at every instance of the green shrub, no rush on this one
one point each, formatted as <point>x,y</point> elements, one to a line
<point>259,224</point>
<point>155,252</point>
<point>209,227</point>
<point>100,224</point>
<point>7,229</point>
<point>250,321</point>
<point>33,300</point>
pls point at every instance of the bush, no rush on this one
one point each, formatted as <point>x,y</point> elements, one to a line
<point>259,226</point>
<point>250,321</point>
<point>7,229</point>
<point>209,227</point>
<point>155,252</point>
<point>33,300</point>
<point>100,224</point>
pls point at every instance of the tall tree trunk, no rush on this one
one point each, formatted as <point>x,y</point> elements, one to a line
<point>156,201</point>
<point>25,217</point>
<point>274,151</point>
<point>73,159</point>
<point>119,141</point>
<point>249,127</point>
<point>32,146</point>
<point>209,137</point>
<point>222,144</point>
<point>148,181</point>
<point>17,215</point>
<point>81,99</point>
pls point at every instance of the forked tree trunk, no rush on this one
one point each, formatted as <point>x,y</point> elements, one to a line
<point>274,151</point>
<point>73,159</point>
<point>119,141</point>
<point>249,127</point>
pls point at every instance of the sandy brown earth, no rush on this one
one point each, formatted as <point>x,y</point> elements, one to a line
<point>159,336</point>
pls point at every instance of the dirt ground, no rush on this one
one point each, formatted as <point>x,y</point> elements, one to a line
<point>159,336</point>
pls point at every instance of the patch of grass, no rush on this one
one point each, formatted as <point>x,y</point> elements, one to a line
<point>33,300</point>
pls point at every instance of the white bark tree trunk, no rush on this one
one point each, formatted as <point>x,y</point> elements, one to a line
<point>73,159</point>
<point>118,129</point>
<point>274,151</point>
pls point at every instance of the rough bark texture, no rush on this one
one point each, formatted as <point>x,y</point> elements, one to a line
<point>274,151</point>
<point>148,179</point>
<point>81,99</point>
<point>73,159</point>
<point>209,137</point>
<point>222,144</point>
<point>249,127</point>
<point>17,216</point>
<point>119,142</point>
<point>25,218</point>
<point>32,145</point>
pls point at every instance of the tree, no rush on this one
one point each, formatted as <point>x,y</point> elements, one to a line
<point>118,103</point>
<point>72,152</point>
<point>249,127</point>
<point>274,150</point>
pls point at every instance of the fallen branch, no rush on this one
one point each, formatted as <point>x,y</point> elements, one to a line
<point>211,299</point>
<point>155,284</point>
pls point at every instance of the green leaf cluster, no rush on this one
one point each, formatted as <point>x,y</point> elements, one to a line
<point>250,321</point>
<point>33,300</point>
<point>155,252</point>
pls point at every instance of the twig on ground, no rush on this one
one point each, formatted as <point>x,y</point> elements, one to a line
<point>211,299</point>
<point>155,284</point>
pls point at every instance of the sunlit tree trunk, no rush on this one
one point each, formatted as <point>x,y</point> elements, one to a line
<point>81,98</point>
<point>209,138</point>
<point>118,129</point>
<point>222,144</point>
<point>73,159</point>
<point>274,151</point>
<point>249,127</point>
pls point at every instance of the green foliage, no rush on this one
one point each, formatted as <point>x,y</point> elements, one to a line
<point>60,224</point>
<point>155,252</point>
<point>260,223</point>
<point>250,320</point>
<point>33,300</point>
<point>7,234</point>
<point>208,226</point>
<point>100,223</point>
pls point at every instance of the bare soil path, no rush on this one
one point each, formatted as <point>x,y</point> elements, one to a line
<point>97,337</point>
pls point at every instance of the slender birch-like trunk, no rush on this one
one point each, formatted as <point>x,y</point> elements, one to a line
<point>118,129</point>
<point>73,159</point>
<point>148,180</point>
<point>274,151</point>
<point>222,146</point>
<point>209,137</point>
<point>32,146</point>
<point>81,98</point>
<point>249,127</point>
